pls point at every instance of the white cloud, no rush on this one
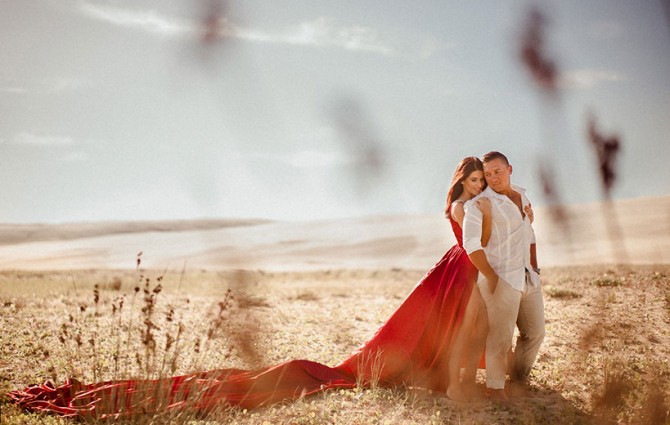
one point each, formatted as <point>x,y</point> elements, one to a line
<point>36,140</point>
<point>15,90</point>
<point>49,85</point>
<point>75,156</point>
<point>320,32</point>
<point>147,20</point>
<point>589,78</point>
<point>66,84</point>
<point>61,148</point>
<point>301,159</point>
<point>323,32</point>
<point>317,159</point>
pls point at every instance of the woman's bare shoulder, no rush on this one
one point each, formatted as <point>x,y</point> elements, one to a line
<point>457,209</point>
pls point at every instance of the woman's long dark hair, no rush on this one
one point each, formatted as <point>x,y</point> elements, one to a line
<point>463,170</point>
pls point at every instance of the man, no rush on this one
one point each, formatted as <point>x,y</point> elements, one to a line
<point>509,277</point>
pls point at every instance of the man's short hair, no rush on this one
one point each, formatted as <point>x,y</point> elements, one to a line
<point>494,155</point>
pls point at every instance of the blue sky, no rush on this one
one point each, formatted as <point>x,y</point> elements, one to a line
<point>302,110</point>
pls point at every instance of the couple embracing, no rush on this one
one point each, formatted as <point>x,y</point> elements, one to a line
<point>468,304</point>
<point>500,242</point>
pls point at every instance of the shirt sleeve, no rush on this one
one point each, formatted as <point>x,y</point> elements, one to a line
<point>532,236</point>
<point>472,228</point>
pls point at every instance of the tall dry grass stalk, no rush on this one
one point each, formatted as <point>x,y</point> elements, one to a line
<point>147,341</point>
<point>544,74</point>
<point>372,364</point>
<point>607,149</point>
<point>543,69</point>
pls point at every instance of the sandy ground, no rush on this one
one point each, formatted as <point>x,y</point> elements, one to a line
<point>604,359</point>
<point>587,234</point>
<point>317,290</point>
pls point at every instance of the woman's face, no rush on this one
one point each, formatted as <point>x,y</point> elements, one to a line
<point>474,183</point>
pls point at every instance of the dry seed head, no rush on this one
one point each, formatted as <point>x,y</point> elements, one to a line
<point>168,343</point>
<point>96,294</point>
<point>170,315</point>
<point>150,325</point>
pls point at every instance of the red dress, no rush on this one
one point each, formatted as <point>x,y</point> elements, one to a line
<point>411,348</point>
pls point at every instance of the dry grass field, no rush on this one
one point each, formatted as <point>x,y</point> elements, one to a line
<point>605,359</point>
<point>215,294</point>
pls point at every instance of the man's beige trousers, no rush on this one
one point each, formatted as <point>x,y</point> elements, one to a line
<point>507,307</point>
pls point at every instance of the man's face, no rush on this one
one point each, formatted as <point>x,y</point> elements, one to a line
<point>497,173</point>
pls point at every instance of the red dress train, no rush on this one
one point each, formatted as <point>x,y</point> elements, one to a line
<point>411,348</point>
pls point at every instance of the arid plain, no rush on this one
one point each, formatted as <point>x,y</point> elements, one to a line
<point>317,290</point>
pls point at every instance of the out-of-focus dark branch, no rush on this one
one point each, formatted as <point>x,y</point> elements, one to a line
<point>212,30</point>
<point>556,210</point>
<point>533,54</point>
<point>356,132</point>
<point>606,148</point>
<point>213,21</point>
<point>543,72</point>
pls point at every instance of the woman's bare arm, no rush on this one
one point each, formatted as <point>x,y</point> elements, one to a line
<point>458,212</point>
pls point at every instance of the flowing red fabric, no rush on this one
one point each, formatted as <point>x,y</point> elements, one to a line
<point>411,349</point>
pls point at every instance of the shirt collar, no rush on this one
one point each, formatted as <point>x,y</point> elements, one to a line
<point>493,194</point>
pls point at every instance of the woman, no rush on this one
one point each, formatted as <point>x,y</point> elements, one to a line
<point>422,344</point>
<point>470,340</point>
<point>419,344</point>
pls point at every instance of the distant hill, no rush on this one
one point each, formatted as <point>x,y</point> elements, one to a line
<point>22,233</point>
<point>635,231</point>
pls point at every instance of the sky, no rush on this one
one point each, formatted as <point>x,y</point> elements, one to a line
<point>311,110</point>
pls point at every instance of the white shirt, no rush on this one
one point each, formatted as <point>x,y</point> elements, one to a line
<point>508,249</point>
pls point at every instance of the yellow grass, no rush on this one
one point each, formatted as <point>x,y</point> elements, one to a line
<point>605,357</point>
